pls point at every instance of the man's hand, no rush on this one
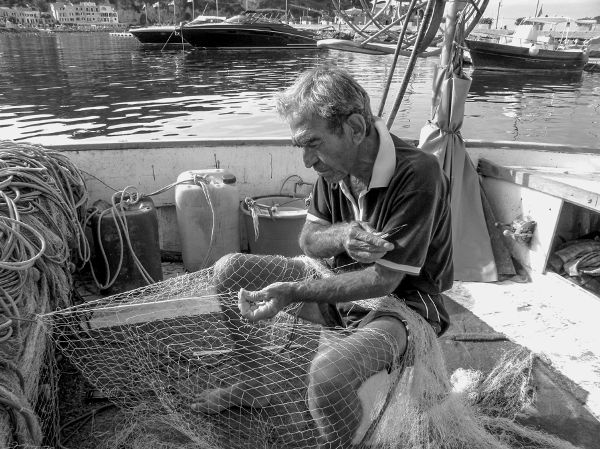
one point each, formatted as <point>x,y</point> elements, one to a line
<point>264,304</point>
<point>363,243</point>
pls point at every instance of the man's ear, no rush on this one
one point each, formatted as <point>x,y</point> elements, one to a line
<point>358,126</point>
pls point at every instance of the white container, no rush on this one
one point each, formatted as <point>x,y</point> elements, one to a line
<point>207,229</point>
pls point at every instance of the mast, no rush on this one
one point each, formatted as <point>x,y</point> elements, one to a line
<point>453,8</point>
<point>498,13</point>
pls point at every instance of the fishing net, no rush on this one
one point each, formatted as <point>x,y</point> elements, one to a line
<point>159,349</point>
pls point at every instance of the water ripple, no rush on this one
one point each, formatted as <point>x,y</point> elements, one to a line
<point>79,86</point>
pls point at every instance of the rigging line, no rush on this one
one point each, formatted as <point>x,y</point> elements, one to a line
<point>346,19</point>
<point>168,40</point>
<point>395,61</point>
<point>411,63</point>
<point>370,15</point>
<point>402,19</point>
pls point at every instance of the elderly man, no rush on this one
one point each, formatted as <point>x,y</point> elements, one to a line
<point>380,214</point>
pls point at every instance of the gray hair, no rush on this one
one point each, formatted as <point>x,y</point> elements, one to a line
<point>326,92</point>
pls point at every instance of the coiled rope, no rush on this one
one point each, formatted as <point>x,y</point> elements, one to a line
<point>42,209</point>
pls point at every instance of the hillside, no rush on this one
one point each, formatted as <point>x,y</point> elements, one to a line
<point>226,7</point>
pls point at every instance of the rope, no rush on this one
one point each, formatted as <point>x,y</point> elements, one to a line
<point>412,61</point>
<point>121,201</point>
<point>80,421</point>
<point>42,210</point>
<point>395,61</point>
<point>174,33</point>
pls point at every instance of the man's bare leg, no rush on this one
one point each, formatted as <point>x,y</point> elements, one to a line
<point>338,372</point>
<point>252,272</point>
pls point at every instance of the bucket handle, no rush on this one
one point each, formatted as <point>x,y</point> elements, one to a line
<point>255,208</point>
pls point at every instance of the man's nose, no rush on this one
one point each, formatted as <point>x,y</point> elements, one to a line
<point>309,157</point>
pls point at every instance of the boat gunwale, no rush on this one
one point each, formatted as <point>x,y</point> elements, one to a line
<point>286,141</point>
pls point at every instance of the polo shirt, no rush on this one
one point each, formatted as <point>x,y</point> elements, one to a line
<point>408,193</point>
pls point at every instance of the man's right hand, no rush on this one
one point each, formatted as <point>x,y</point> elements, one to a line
<point>363,243</point>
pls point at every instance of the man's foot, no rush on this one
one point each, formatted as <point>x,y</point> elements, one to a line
<point>241,394</point>
<point>213,401</point>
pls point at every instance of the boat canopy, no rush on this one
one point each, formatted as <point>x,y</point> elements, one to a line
<point>546,20</point>
<point>207,19</point>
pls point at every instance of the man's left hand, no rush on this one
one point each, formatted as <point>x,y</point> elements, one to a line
<point>364,244</point>
<point>266,303</point>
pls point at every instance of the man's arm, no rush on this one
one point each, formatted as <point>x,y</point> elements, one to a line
<point>371,282</point>
<point>322,241</point>
<point>356,238</point>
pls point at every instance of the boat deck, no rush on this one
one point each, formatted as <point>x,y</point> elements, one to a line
<point>550,317</point>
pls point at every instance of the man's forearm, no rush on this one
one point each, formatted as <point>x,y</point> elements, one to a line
<point>370,282</point>
<point>323,241</point>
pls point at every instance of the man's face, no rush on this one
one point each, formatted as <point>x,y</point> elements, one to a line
<point>330,154</point>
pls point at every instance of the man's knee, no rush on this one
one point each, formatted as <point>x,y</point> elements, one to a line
<point>227,268</point>
<point>330,377</point>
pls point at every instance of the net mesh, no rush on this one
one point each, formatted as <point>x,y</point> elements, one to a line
<point>188,371</point>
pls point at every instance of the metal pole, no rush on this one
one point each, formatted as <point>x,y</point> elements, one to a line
<point>193,13</point>
<point>498,13</point>
<point>217,3</point>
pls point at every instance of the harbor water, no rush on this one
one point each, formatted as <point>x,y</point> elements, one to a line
<point>89,87</point>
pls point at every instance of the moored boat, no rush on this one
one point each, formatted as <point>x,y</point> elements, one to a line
<point>251,29</point>
<point>527,51</point>
<point>168,34</point>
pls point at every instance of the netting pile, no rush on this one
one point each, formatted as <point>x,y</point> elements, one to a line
<point>157,350</point>
<point>42,208</point>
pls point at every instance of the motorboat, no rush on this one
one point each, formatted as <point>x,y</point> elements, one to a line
<point>528,50</point>
<point>169,34</point>
<point>250,29</point>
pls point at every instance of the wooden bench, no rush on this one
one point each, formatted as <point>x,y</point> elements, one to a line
<point>565,205</point>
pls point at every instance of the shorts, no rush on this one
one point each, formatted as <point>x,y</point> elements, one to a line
<point>353,316</point>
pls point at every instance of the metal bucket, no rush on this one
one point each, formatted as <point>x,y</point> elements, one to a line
<point>273,224</point>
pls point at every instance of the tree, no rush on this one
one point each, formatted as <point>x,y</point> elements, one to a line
<point>486,21</point>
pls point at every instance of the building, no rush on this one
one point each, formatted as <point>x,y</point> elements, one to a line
<point>27,17</point>
<point>84,14</point>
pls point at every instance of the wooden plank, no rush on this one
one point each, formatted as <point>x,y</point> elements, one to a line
<point>137,313</point>
<point>580,189</point>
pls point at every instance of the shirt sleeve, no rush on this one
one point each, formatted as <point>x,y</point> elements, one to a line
<point>411,222</point>
<point>319,210</point>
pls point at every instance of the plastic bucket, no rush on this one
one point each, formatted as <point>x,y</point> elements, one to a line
<point>279,221</point>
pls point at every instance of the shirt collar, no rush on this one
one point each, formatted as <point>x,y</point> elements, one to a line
<point>385,162</point>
